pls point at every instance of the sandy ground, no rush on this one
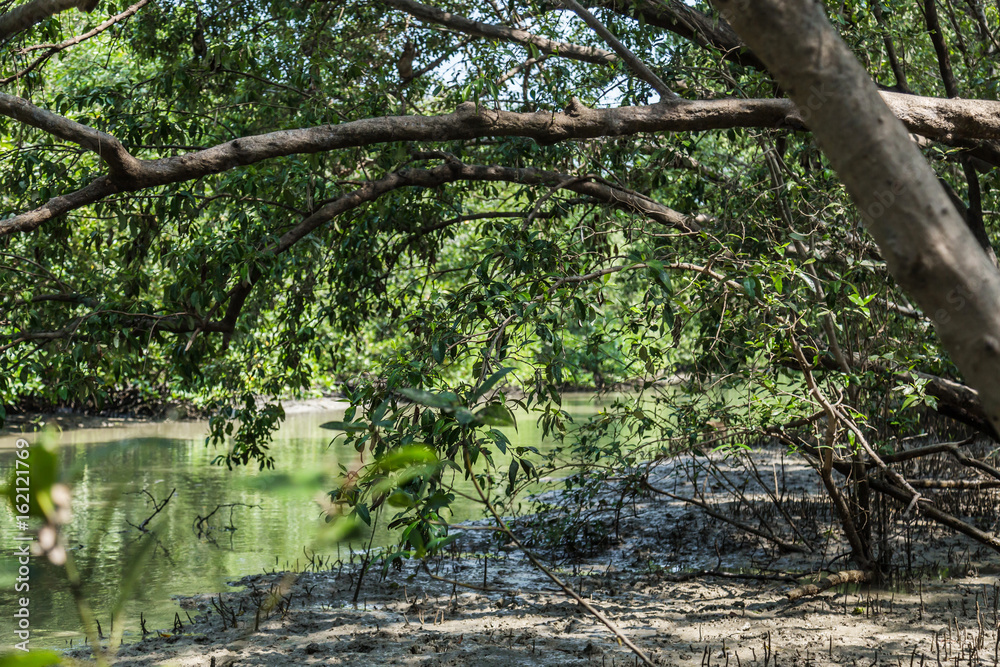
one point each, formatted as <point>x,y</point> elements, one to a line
<point>649,578</point>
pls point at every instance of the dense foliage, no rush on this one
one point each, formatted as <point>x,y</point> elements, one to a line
<point>442,277</point>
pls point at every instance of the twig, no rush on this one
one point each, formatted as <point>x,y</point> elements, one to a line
<point>623,51</point>
<point>784,546</point>
<point>596,613</point>
<point>158,507</point>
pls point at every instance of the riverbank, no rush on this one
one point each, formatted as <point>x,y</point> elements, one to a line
<point>66,420</point>
<point>684,587</point>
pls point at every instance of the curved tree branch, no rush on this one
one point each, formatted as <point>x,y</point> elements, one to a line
<point>456,171</point>
<point>107,147</point>
<point>449,173</point>
<point>940,119</point>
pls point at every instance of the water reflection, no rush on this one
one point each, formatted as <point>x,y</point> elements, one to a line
<point>112,469</point>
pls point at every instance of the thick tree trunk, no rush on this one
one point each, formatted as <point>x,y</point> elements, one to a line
<point>927,246</point>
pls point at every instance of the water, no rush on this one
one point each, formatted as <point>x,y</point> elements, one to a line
<point>109,470</point>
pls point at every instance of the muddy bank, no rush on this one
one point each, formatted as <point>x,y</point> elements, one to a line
<point>686,588</point>
<point>411,619</point>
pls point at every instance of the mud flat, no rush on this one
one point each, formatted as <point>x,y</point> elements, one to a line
<point>685,587</point>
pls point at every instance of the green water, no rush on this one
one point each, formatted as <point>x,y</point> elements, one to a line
<point>109,468</point>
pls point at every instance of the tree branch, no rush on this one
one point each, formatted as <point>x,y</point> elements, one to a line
<point>469,27</point>
<point>890,49</point>
<point>937,515</point>
<point>31,13</point>
<point>940,48</point>
<point>935,118</point>
<point>52,49</point>
<point>107,147</point>
<point>636,65</point>
<point>456,171</point>
<point>709,32</point>
<point>448,173</point>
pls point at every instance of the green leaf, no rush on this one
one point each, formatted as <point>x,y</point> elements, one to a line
<point>344,426</point>
<point>655,269</point>
<point>490,383</point>
<point>400,499</point>
<point>403,457</point>
<point>496,414</point>
<point>443,401</point>
<point>776,279</point>
<point>439,543</point>
<point>465,417</point>
<point>362,511</point>
<point>437,350</point>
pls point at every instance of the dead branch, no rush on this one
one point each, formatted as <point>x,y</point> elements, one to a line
<point>201,526</point>
<point>845,577</point>
<point>688,576</point>
<point>157,508</point>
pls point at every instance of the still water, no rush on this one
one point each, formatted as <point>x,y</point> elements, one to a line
<point>111,471</point>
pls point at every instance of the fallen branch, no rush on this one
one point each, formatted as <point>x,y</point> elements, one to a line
<point>825,584</point>
<point>688,576</point>
<point>953,484</point>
